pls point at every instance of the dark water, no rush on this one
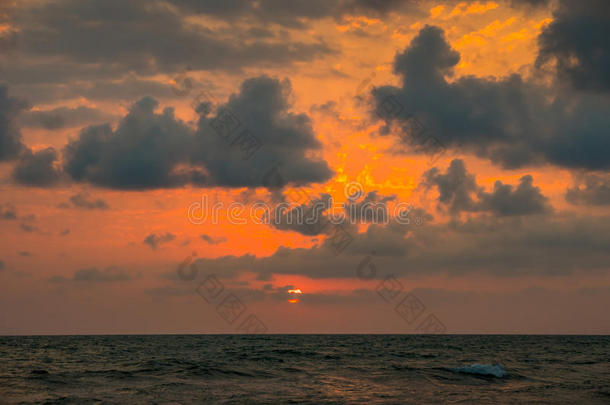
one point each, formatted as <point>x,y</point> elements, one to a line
<point>309,369</point>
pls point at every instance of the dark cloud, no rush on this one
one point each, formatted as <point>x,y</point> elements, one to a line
<point>94,275</point>
<point>261,110</point>
<point>28,227</point>
<point>291,14</point>
<point>505,246</point>
<point>458,189</point>
<point>524,200</point>
<point>577,41</point>
<point>142,153</point>
<point>25,253</point>
<point>27,223</point>
<point>531,3</point>
<point>8,212</point>
<point>375,7</point>
<point>37,169</point>
<point>320,215</point>
<point>10,136</point>
<point>150,150</point>
<point>371,208</point>
<point>295,13</point>
<point>455,187</point>
<point>154,240</point>
<point>512,122</point>
<point>58,85</point>
<point>213,241</point>
<point>85,201</point>
<point>2,265</point>
<point>147,36</point>
<point>594,191</point>
<point>64,117</point>
<point>308,219</point>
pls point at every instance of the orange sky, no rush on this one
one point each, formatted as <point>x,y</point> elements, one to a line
<point>493,39</point>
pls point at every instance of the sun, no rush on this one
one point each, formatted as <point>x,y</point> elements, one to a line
<point>293,293</point>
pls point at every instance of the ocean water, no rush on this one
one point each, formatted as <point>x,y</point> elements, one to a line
<point>305,369</point>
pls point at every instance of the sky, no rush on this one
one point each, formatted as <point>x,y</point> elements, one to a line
<point>321,166</point>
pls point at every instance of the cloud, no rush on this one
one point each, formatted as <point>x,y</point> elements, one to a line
<point>308,219</point>
<point>149,150</point>
<point>28,223</point>
<point>577,41</point>
<point>512,122</point>
<point>371,208</point>
<point>213,241</point>
<point>457,189</point>
<point>524,200</point>
<point>531,3</point>
<point>7,212</point>
<point>64,117</point>
<point>261,113</point>
<point>94,275</point>
<point>10,136</point>
<point>142,36</point>
<point>37,169</point>
<point>2,265</point>
<point>84,200</point>
<point>54,83</point>
<point>318,216</point>
<point>28,227</point>
<point>505,246</point>
<point>596,191</point>
<point>154,240</point>
<point>296,13</point>
<point>142,153</point>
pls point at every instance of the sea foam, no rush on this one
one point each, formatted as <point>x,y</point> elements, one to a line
<point>495,370</point>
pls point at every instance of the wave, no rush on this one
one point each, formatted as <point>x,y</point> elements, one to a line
<point>494,370</point>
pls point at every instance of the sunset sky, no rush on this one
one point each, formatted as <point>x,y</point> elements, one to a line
<point>123,122</point>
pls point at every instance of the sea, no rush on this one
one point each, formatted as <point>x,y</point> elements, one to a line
<point>305,369</point>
